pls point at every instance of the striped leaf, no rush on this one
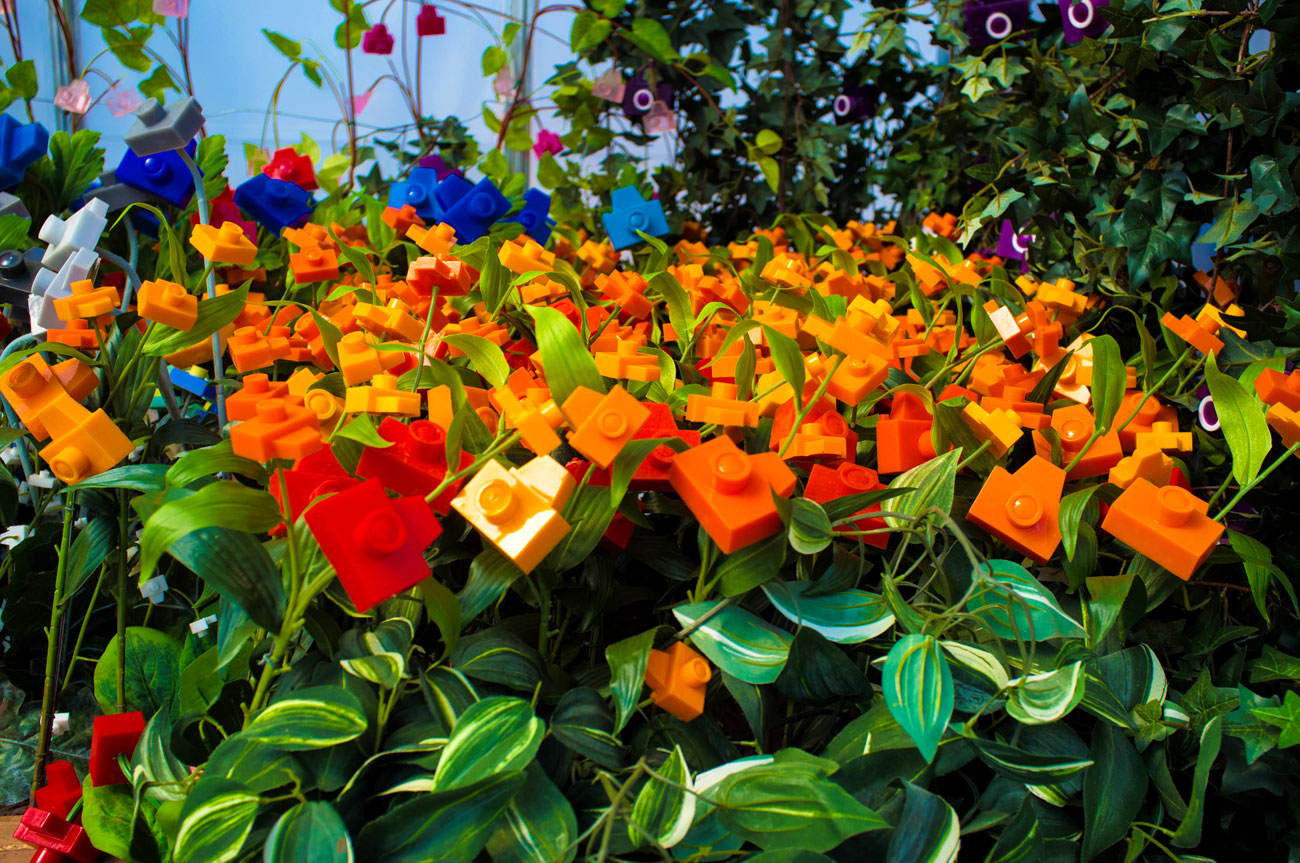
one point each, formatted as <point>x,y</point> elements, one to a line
<point>310,718</point>
<point>663,810</point>
<point>736,641</point>
<point>215,821</point>
<point>927,832</point>
<point>783,805</point>
<point>918,690</point>
<point>310,832</point>
<point>495,735</point>
<point>1034,613</point>
<point>1113,790</point>
<point>539,825</point>
<point>1037,699</point>
<point>1028,767</point>
<point>932,484</point>
<point>627,661</point>
<point>847,617</point>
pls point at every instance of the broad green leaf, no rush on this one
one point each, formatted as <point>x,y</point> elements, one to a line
<point>810,529</point>
<point>776,807</point>
<point>93,544</point>
<point>739,643</point>
<point>1013,604</point>
<point>583,722</point>
<point>627,662</point>
<point>1021,839</point>
<point>310,718</point>
<point>539,826</point>
<point>819,672</point>
<point>1108,377</point>
<point>1241,419</point>
<point>1188,834</point>
<point>451,825</point>
<point>486,358</point>
<point>1234,218</point>
<point>238,567</point>
<point>106,813</point>
<point>652,38</point>
<point>495,735</point>
<point>309,832</point>
<point>663,810</point>
<point>1028,767</point>
<point>490,574</point>
<point>928,830</point>
<point>153,672</point>
<point>1073,508</point>
<point>846,617</point>
<point>219,504</point>
<point>1037,699</point>
<point>917,686</point>
<point>1113,790</point>
<point>200,463</point>
<point>931,484</point>
<point>498,656</point>
<point>214,825</point>
<point>1274,665</point>
<point>569,364</point>
<point>748,567</point>
<point>387,648</point>
<point>1286,717</point>
<point>214,314</point>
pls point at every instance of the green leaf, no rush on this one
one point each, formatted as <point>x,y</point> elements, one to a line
<point>239,567</point>
<point>568,362</point>
<point>917,686</point>
<point>539,826</point>
<point>214,314</point>
<point>486,358</point>
<point>663,810</point>
<point>752,565</point>
<point>1257,560</point>
<point>1073,508</point>
<point>73,163</point>
<point>1039,699</point>
<point>810,528</point>
<point>928,830</point>
<point>309,718</point>
<point>1033,611</point>
<point>215,824</point>
<point>386,651</point>
<point>284,45</point>
<point>588,31</point>
<point>932,485</point>
<point>583,722</point>
<point>152,671</point>
<point>218,504</point>
<point>846,617</point>
<point>1234,218</point>
<point>779,806</point>
<point>819,672</point>
<point>309,832</point>
<point>739,643</point>
<point>93,544</point>
<point>1286,718</point>
<point>1030,768</point>
<point>493,59</point>
<point>1274,665</point>
<point>22,78</point>
<point>651,37</point>
<point>200,683</point>
<point>451,825</point>
<point>107,812</point>
<point>1241,418</point>
<point>1188,834</point>
<point>627,661</point>
<point>493,736</point>
<point>1113,790</point>
<point>498,656</point>
<point>1108,377</point>
<point>201,463</point>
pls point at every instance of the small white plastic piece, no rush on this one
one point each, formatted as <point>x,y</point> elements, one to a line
<point>81,230</point>
<point>76,268</point>
<point>200,626</point>
<point>13,535</point>
<point>154,588</point>
<point>42,479</point>
<point>1004,322</point>
<point>60,724</point>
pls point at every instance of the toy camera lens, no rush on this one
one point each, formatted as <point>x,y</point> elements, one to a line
<point>998,25</point>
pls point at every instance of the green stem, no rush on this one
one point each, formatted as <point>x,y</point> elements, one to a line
<point>85,622</point>
<point>490,453</point>
<point>1242,492</point>
<point>807,408</point>
<point>123,537</point>
<point>978,450</point>
<point>49,697</point>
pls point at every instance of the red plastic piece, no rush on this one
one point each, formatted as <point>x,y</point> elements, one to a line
<point>62,789</point>
<point>730,491</point>
<point>55,838</point>
<point>903,440</point>
<point>288,165</point>
<point>312,476</point>
<point>375,543</point>
<point>416,462</point>
<point>115,734</point>
<point>826,484</point>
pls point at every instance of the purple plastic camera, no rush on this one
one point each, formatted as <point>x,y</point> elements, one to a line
<point>855,104</point>
<point>1083,18</point>
<point>994,21</point>
<point>639,97</point>
<point>1011,245</point>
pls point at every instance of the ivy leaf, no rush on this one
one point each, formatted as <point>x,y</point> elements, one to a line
<point>1232,222</point>
<point>1286,717</point>
<point>588,31</point>
<point>651,37</point>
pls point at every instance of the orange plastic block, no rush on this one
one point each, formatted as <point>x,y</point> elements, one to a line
<point>1147,416</point>
<point>722,408</point>
<point>1022,509</point>
<point>516,509</point>
<point>382,397</point>
<point>999,428</point>
<point>903,440</point>
<point>524,257</point>
<point>30,388</point>
<point>730,491</point>
<point>944,226</point>
<point>79,380</point>
<point>391,320</point>
<point>627,290</point>
<point>855,379</point>
<point>536,424</point>
<point>1199,335</point>
<point>77,334</point>
<point>1212,313</point>
<point>281,429</point>
<point>1285,422</point>
<point>453,278</point>
<point>314,264</point>
<point>168,303</point>
<point>402,220</point>
<point>437,240</point>
<point>1149,463</point>
<point>1167,524</point>
<point>677,678</point>
<point>226,244</point>
<point>626,362</point>
<point>85,444</point>
<point>87,301</point>
<point>1075,425</point>
<point>600,433</point>
<point>359,362</point>
<point>1165,436</point>
<point>242,405</point>
<point>249,349</point>
<point>1277,388</point>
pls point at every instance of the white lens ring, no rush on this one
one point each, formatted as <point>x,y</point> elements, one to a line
<point>1086,22</point>
<point>1204,411</point>
<point>1020,242</point>
<point>1003,24</point>
<point>842,105</point>
<point>643,99</point>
